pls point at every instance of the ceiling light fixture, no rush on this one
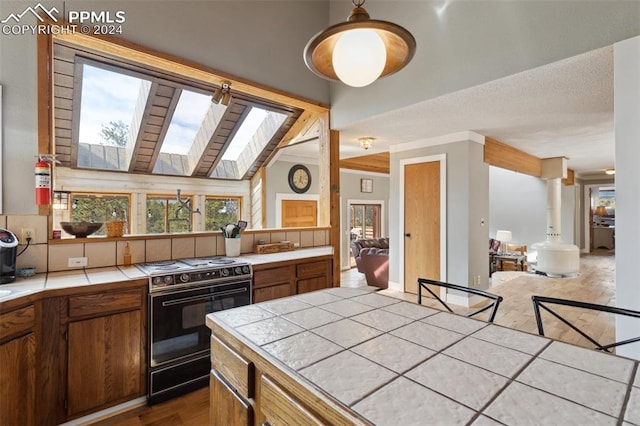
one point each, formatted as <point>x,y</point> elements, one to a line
<point>366,142</point>
<point>226,93</point>
<point>359,51</point>
<point>222,95</point>
<point>610,171</point>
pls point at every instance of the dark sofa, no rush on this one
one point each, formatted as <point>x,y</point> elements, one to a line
<point>372,259</point>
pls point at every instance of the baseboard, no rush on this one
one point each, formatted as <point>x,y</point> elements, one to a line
<point>395,286</point>
<point>466,301</point>
<point>108,412</point>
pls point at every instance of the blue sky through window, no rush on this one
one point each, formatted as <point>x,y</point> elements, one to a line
<point>106,96</point>
<point>187,119</point>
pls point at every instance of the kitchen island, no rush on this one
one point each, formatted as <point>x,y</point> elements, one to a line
<point>352,356</point>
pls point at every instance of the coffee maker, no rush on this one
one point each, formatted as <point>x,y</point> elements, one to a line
<point>8,252</point>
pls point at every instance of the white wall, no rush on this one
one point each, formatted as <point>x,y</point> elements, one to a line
<point>350,191</point>
<point>461,44</point>
<point>467,181</point>
<point>260,41</point>
<point>518,203</point>
<point>626,56</point>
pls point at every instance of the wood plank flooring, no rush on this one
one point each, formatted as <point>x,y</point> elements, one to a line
<point>595,283</point>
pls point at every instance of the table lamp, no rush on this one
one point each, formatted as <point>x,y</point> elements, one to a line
<point>504,237</point>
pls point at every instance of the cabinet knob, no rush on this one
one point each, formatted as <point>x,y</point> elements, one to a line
<point>408,234</point>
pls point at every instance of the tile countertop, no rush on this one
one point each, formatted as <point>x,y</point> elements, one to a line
<point>57,280</point>
<point>395,362</point>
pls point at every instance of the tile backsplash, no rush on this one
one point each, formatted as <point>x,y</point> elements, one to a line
<point>54,257</point>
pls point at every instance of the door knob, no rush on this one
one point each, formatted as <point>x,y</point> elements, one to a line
<point>407,234</point>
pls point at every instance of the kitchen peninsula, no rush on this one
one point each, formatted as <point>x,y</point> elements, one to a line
<point>352,356</point>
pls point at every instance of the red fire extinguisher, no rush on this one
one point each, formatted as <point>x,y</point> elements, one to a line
<point>43,182</point>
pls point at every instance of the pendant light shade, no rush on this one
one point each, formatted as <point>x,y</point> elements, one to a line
<point>359,51</point>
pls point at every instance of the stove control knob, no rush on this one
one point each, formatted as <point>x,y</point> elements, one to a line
<point>157,280</point>
<point>184,278</point>
<point>168,279</point>
<point>237,270</point>
<point>245,269</point>
<point>224,272</point>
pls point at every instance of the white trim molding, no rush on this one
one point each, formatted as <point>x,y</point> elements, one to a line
<point>442,158</point>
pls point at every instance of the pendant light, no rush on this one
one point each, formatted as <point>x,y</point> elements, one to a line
<point>359,51</point>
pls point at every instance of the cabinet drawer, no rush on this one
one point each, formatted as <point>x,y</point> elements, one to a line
<point>273,276</point>
<point>17,322</point>
<point>102,303</point>
<point>280,408</point>
<point>312,269</point>
<point>235,369</point>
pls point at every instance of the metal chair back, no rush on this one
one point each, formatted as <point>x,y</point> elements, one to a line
<point>424,282</point>
<point>542,302</point>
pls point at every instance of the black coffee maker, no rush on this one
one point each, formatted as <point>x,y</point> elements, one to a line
<point>8,252</point>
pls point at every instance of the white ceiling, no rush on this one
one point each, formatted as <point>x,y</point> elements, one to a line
<point>561,109</point>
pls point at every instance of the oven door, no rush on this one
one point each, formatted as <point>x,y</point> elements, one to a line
<point>178,329</point>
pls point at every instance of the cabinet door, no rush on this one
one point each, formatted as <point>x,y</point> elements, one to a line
<point>312,284</point>
<point>104,357</point>
<point>280,408</point>
<point>226,407</point>
<point>273,292</point>
<point>18,382</point>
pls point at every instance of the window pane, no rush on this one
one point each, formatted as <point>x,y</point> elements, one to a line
<point>156,214</point>
<point>99,208</point>
<point>109,103</point>
<point>220,211</point>
<point>187,119</point>
<point>179,217</point>
<point>252,137</point>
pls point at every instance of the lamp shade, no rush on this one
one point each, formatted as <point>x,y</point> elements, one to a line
<point>601,211</point>
<point>503,236</point>
<point>359,51</point>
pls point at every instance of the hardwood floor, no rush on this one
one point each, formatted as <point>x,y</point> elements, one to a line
<point>595,283</point>
<point>191,409</point>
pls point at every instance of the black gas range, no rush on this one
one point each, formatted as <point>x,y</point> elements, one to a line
<point>181,293</point>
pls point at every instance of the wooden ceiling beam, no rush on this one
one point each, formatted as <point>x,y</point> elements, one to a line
<point>378,163</point>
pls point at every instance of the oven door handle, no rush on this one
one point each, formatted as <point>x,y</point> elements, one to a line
<point>204,297</point>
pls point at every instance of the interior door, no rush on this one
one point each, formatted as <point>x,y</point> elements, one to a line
<point>421,223</point>
<point>299,213</point>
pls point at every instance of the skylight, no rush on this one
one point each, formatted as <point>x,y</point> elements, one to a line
<point>187,119</point>
<point>254,134</point>
<point>108,104</point>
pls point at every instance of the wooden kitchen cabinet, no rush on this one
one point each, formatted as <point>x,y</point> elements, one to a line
<point>18,367</point>
<point>226,407</point>
<point>105,350</point>
<point>273,283</point>
<point>284,279</point>
<point>280,408</point>
<point>313,276</point>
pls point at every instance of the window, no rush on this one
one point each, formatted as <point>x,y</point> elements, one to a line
<point>111,105</point>
<point>114,115</point>
<point>95,208</point>
<point>253,135</point>
<point>221,211</point>
<point>166,214</point>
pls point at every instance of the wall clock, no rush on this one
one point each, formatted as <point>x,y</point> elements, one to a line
<point>299,178</point>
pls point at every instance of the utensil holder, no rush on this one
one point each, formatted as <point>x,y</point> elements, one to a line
<point>232,246</point>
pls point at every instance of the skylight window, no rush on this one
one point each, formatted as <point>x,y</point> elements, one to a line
<point>108,104</point>
<point>254,134</point>
<point>187,119</point>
